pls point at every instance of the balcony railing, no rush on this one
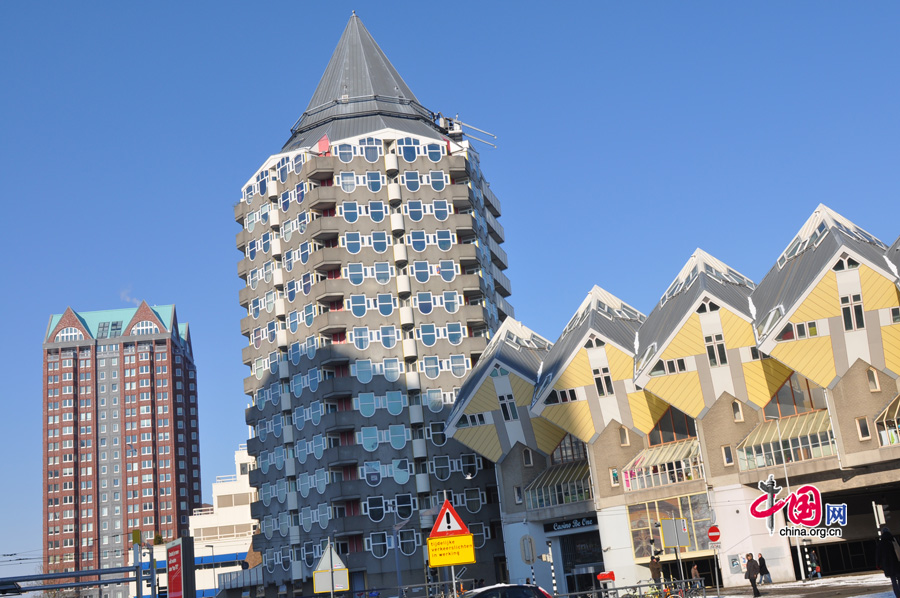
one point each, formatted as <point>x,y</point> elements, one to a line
<point>671,463</point>
<point>560,485</point>
<point>796,438</point>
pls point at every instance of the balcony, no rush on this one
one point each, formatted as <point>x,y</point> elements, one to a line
<point>349,454</point>
<point>318,168</point>
<point>670,463</point>
<point>245,295</point>
<point>241,239</point>
<point>243,266</point>
<point>462,224</point>
<point>334,388</point>
<point>337,421</point>
<point>473,315</point>
<point>802,437</point>
<point>504,307</point>
<point>495,228</point>
<point>501,282</point>
<point>560,485</point>
<point>471,284</point>
<point>247,324</point>
<point>321,198</point>
<point>330,290</point>
<point>327,258</point>
<point>334,321</point>
<point>324,229</point>
<point>239,209</point>
<point>498,254</point>
<point>457,166</point>
<point>490,201</point>
<point>461,196</point>
<point>468,254</point>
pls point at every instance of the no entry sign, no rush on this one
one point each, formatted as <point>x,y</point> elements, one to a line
<point>713,533</point>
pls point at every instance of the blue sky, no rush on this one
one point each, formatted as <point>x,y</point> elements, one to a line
<point>629,134</point>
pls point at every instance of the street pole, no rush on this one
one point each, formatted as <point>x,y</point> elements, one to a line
<point>716,566</point>
<point>153,588</point>
<point>215,577</point>
<point>138,561</point>
<point>787,483</point>
<point>552,568</point>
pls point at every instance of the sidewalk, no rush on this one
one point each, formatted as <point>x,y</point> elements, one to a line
<point>871,585</point>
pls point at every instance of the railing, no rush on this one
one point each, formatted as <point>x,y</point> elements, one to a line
<point>203,511</point>
<point>675,588</point>
<point>227,478</point>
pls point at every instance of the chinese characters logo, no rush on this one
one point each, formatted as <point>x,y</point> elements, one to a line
<point>804,508</point>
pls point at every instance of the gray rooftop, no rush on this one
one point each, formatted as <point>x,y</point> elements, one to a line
<point>703,274</point>
<point>515,346</point>
<point>359,82</point>
<point>602,314</point>
<point>815,247</point>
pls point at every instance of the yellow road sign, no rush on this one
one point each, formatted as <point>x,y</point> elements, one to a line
<point>445,551</point>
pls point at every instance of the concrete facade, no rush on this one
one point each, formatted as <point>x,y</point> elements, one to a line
<point>374,278</point>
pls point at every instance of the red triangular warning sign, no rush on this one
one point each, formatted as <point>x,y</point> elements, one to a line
<point>448,523</point>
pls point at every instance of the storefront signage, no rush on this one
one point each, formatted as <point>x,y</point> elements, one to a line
<point>559,526</point>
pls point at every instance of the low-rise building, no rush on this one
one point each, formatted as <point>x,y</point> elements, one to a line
<point>684,413</point>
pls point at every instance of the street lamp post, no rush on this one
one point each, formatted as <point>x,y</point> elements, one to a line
<point>215,577</point>
<point>787,483</point>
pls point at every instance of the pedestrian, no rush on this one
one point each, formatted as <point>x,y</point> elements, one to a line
<point>695,576</point>
<point>887,558</point>
<point>752,573</point>
<point>655,570</point>
<point>816,568</point>
<point>764,575</point>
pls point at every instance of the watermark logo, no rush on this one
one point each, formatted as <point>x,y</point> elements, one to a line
<point>804,510</point>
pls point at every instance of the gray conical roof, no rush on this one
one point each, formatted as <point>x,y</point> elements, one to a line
<point>359,91</point>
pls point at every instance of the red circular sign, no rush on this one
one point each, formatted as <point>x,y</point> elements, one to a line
<point>713,533</point>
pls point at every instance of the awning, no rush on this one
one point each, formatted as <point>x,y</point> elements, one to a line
<point>890,412</point>
<point>561,474</point>
<point>794,426</point>
<point>665,453</point>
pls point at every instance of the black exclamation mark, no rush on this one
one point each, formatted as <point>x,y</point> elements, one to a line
<point>448,521</point>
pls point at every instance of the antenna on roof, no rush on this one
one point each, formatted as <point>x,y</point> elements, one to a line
<point>453,125</point>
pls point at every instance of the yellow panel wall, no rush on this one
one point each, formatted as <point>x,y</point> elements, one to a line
<point>877,291</point>
<point>680,390</point>
<point>578,373</point>
<point>813,357</point>
<point>764,378</point>
<point>737,331</point>
<point>890,338</point>
<point>523,391</point>
<point>823,302</point>
<point>621,364</point>
<point>481,439</point>
<point>575,418</point>
<point>485,399</point>
<point>547,435</point>
<point>688,341</point>
<point>646,409</point>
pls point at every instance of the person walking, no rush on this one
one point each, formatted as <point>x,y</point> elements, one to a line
<point>764,575</point>
<point>752,573</point>
<point>695,576</point>
<point>655,570</point>
<point>886,558</point>
<point>814,565</point>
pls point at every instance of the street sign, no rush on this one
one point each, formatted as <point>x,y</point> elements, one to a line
<point>714,533</point>
<point>446,551</point>
<point>330,574</point>
<point>527,545</point>
<point>675,532</point>
<point>448,523</point>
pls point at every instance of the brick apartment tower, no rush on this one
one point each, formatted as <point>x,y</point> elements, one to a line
<point>122,443</point>
<point>374,278</point>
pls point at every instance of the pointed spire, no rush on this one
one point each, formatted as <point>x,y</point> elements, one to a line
<point>359,81</point>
